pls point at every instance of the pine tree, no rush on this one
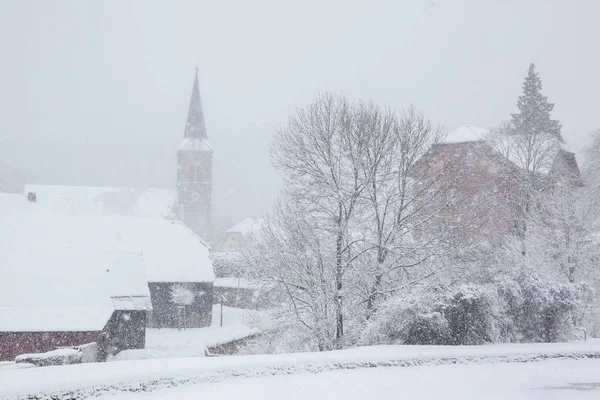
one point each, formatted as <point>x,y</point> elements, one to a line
<point>533,117</point>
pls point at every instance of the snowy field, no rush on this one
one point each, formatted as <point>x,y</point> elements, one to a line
<point>547,380</point>
<point>577,363</point>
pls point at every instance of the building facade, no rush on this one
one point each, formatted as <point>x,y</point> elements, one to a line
<point>477,185</point>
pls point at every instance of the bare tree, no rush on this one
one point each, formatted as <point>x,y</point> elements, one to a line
<point>296,262</point>
<point>563,235</point>
<point>529,159</point>
<point>320,152</point>
<point>396,198</point>
<point>343,233</point>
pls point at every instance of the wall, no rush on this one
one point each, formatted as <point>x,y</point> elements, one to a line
<point>473,191</point>
<point>164,311</point>
<point>231,347</point>
<point>126,330</point>
<point>194,190</point>
<point>233,241</point>
<point>14,343</point>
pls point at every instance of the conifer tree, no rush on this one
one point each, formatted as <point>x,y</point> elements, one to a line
<point>534,117</point>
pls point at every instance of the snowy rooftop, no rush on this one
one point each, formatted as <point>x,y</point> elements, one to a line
<point>75,269</point>
<point>232,282</point>
<point>56,277</point>
<point>171,252</point>
<point>466,133</point>
<point>53,290</point>
<point>98,200</point>
<point>246,226</point>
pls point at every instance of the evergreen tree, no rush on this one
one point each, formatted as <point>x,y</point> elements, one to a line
<point>533,117</point>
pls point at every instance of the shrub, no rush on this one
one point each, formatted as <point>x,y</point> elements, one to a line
<point>541,311</point>
<point>411,319</point>
<point>522,308</point>
<point>472,315</point>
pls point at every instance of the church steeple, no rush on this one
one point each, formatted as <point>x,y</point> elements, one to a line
<point>195,127</point>
<point>194,170</point>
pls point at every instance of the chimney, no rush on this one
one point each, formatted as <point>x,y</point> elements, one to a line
<point>31,197</point>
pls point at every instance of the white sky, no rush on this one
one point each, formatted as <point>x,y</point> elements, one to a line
<point>96,92</point>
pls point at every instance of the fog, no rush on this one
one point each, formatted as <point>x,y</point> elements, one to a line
<point>96,93</point>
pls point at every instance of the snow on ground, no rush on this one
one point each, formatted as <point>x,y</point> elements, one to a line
<point>85,380</point>
<point>231,282</point>
<point>548,380</point>
<point>162,343</point>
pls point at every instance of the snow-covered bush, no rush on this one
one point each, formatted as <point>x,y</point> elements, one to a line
<point>522,308</point>
<point>473,315</point>
<point>467,314</point>
<point>410,319</point>
<point>542,311</point>
<point>231,263</point>
<point>182,294</point>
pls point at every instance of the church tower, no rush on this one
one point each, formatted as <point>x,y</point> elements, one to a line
<point>194,169</point>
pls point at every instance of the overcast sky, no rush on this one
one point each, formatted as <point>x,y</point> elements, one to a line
<point>96,92</point>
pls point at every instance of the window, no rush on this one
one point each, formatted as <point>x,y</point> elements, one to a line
<point>470,159</point>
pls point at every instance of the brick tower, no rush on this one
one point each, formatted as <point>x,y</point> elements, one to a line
<point>194,169</point>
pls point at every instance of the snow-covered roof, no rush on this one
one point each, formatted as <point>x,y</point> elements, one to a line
<point>171,252</point>
<point>107,261</point>
<point>54,289</point>
<point>466,133</point>
<point>54,276</point>
<point>246,226</point>
<point>188,144</point>
<point>232,282</point>
<point>99,200</point>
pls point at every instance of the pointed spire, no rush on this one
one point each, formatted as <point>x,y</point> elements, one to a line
<point>195,127</point>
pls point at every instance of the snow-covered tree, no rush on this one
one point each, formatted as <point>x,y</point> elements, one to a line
<point>296,261</point>
<point>534,117</point>
<point>562,239</point>
<point>182,294</point>
<point>395,203</point>
<point>342,234</point>
<point>591,177</point>
<point>11,179</point>
<point>528,160</point>
<point>320,152</point>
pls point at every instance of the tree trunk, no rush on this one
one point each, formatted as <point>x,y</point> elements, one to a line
<point>339,331</point>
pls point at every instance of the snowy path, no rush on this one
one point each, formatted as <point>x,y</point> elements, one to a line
<point>547,380</point>
<point>167,343</point>
<point>85,380</point>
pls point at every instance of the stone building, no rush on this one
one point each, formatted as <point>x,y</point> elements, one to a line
<point>474,182</point>
<point>194,169</point>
